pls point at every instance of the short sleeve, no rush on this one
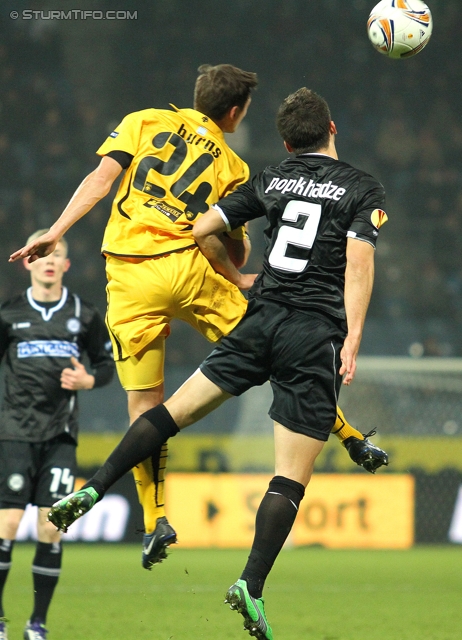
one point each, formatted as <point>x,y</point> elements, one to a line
<point>125,136</point>
<point>370,214</point>
<point>241,206</point>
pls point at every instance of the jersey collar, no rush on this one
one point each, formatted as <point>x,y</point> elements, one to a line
<point>323,155</point>
<point>201,120</point>
<point>47,314</point>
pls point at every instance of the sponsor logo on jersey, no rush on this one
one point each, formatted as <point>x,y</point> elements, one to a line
<point>47,348</point>
<point>21,325</point>
<point>171,212</point>
<point>114,134</point>
<point>16,482</point>
<point>307,189</point>
<point>378,218</point>
<point>73,325</point>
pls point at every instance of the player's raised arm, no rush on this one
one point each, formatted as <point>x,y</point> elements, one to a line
<point>359,278</point>
<point>207,231</point>
<point>91,190</point>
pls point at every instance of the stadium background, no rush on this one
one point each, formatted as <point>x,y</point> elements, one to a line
<point>66,83</point>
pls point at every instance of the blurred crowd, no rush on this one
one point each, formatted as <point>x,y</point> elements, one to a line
<point>399,120</point>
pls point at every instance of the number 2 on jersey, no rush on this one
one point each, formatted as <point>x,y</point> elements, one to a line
<point>288,235</point>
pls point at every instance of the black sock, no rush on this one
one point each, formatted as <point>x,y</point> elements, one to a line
<point>46,568</point>
<point>275,517</point>
<point>143,439</point>
<point>6,549</point>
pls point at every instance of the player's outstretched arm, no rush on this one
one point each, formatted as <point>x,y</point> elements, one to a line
<point>359,278</point>
<point>92,189</point>
<point>207,231</point>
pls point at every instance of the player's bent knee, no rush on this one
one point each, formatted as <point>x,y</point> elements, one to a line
<point>46,531</point>
<point>141,400</point>
<point>160,418</point>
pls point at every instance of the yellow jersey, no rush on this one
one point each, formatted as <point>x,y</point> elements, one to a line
<point>181,165</point>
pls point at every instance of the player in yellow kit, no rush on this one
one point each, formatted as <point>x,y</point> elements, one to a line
<point>177,163</point>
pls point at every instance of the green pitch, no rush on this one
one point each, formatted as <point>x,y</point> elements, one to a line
<point>312,594</point>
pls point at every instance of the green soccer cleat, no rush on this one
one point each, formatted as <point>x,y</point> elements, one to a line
<point>253,610</point>
<point>66,511</point>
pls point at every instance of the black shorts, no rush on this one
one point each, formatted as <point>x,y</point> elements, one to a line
<point>36,473</point>
<point>298,352</point>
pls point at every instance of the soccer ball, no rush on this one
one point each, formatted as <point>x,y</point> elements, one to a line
<point>400,28</point>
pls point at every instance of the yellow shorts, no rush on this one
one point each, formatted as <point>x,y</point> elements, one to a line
<point>144,295</point>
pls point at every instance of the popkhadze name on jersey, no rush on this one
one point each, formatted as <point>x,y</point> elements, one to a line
<point>310,190</point>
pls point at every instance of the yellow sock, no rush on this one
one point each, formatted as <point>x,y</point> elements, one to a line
<point>343,429</point>
<point>150,488</point>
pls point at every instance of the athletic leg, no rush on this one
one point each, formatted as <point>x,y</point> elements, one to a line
<point>194,400</point>
<point>9,523</point>
<point>149,478</point>
<point>343,429</point>
<point>142,377</point>
<point>150,474</point>
<point>295,456</point>
<point>46,569</point>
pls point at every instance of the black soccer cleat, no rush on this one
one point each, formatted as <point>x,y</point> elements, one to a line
<point>366,454</point>
<point>155,544</point>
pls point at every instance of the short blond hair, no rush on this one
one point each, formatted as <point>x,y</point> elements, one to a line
<point>40,232</point>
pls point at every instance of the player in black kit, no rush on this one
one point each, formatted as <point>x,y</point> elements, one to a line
<point>43,334</point>
<point>302,329</point>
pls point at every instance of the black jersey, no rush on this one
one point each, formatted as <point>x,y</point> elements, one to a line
<point>38,340</point>
<point>313,203</point>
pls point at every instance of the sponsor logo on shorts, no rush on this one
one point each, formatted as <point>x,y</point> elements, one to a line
<point>47,349</point>
<point>16,482</point>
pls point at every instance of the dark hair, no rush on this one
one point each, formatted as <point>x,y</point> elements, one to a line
<point>303,121</point>
<point>222,87</point>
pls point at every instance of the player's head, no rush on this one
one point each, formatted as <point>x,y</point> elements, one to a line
<point>304,121</point>
<point>50,270</point>
<point>222,93</point>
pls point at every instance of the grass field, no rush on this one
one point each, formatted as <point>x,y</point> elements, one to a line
<point>312,594</point>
